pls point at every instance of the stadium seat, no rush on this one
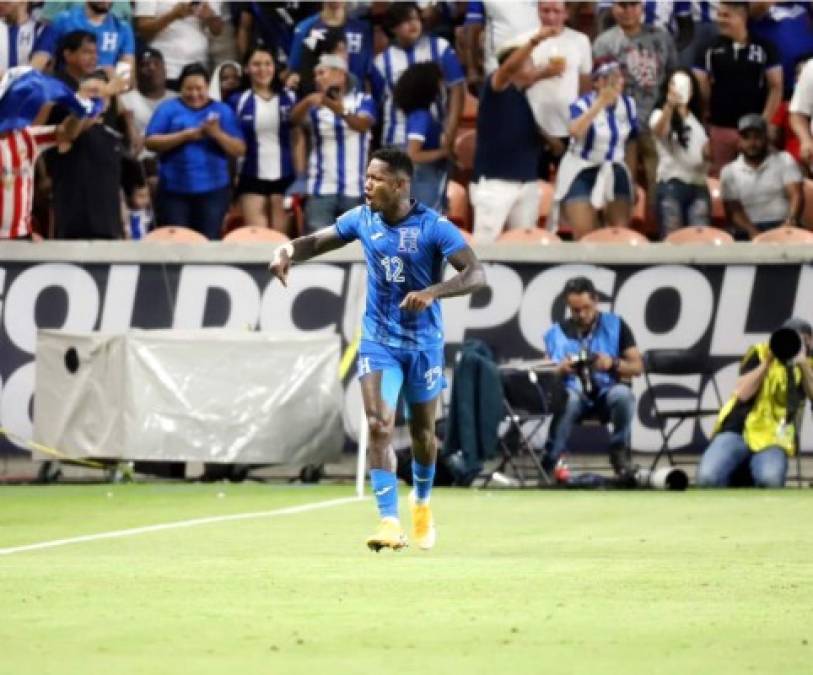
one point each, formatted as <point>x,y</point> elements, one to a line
<point>699,234</point>
<point>249,233</point>
<point>717,211</point>
<point>464,147</point>
<point>534,236</point>
<point>614,235</point>
<point>175,234</point>
<point>459,208</point>
<point>233,220</point>
<point>546,191</point>
<point>785,235</point>
<point>807,213</point>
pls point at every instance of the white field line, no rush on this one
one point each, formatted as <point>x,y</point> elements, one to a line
<point>115,534</point>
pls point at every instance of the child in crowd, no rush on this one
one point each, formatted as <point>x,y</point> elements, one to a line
<point>415,92</point>
<point>138,214</point>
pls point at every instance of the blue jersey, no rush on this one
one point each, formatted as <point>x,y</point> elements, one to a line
<point>401,258</point>
<point>19,43</point>
<point>267,130</point>
<point>114,37</point>
<point>196,166</point>
<point>358,37</point>
<point>607,137</point>
<point>390,64</point>
<point>421,126</point>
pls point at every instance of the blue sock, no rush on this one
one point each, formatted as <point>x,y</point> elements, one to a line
<point>385,489</point>
<point>422,477</point>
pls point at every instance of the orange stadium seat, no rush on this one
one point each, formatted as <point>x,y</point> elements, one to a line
<point>699,234</point>
<point>250,233</point>
<point>464,147</point>
<point>534,236</point>
<point>175,234</point>
<point>459,207</point>
<point>785,235</point>
<point>614,235</point>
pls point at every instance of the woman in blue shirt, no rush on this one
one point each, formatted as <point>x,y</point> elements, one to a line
<point>195,137</point>
<point>415,92</point>
<point>264,113</point>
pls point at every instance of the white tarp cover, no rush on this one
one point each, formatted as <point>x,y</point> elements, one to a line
<point>210,395</point>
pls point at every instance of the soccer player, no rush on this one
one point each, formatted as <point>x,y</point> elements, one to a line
<point>404,244</point>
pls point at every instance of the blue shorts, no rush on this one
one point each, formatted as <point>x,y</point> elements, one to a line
<point>419,373</point>
<point>582,186</point>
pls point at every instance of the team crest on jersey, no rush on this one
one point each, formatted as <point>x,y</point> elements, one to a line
<point>408,239</point>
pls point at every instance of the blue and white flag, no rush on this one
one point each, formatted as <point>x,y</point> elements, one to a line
<point>24,90</point>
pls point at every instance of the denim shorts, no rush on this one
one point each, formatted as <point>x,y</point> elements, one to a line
<point>582,186</point>
<point>680,204</point>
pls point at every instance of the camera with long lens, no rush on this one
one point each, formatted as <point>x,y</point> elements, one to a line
<point>582,364</point>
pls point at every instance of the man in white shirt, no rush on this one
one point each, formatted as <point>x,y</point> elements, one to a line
<point>139,104</point>
<point>761,190</point>
<point>564,62</point>
<point>178,31</point>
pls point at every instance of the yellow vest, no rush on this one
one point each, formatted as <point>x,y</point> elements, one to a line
<point>765,423</point>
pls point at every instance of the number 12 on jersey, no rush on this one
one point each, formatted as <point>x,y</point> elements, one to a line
<point>393,268</point>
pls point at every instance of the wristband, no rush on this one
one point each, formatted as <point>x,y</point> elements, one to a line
<point>288,248</point>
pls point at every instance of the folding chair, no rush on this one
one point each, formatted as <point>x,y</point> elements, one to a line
<point>529,397</point>
<point>676,362</point>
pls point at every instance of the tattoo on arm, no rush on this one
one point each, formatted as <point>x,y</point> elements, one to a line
<point>471,276</point>
<point>312,245</point>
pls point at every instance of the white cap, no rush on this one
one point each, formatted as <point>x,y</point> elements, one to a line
<point>333,61</point>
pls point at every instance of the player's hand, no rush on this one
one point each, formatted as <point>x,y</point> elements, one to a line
<point>417,301</point>
<point>281,263</point>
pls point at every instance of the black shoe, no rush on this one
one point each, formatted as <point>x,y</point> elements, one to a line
<point>621,461</point>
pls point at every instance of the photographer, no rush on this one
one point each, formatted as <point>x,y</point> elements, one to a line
<point>756,429</point>
<point>597,357</point>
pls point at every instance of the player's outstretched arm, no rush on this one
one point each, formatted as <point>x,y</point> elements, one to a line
<point>304,248</point>
<point>470,277</point>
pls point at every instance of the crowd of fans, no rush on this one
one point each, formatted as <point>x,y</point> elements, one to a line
<point>220,114</point>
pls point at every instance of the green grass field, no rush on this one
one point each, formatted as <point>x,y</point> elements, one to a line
<point>520,582</point>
